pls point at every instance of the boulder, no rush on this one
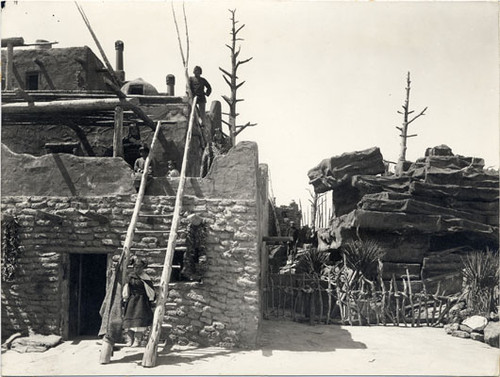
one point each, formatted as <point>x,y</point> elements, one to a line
<point>475,323</point>
<point>492,334</point>
<point>440,150</point>
<point>334,171</point>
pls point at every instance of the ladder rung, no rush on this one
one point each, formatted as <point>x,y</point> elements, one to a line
<point>177,248</point>
<point>148,249</point>
<point>151,215</point>
<point>151,231</point>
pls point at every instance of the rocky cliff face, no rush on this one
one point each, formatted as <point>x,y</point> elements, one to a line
<point>443,206</point>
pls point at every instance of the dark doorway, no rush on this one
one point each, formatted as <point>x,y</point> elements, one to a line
<point>87,288</point>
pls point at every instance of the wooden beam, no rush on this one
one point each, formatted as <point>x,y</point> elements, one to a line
<point>118,133</point>
<point>14,41</point>
<point>276,240</point>
<point>40,64</point>
<point>9,66</point>
<point>69,106</point>
<point>136,109</point>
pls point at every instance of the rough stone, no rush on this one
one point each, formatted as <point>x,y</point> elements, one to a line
<point>475,323</point>
<point>492,334</point>
<point>334,171</point>
<point>477,336</point>
<point>460,334</point>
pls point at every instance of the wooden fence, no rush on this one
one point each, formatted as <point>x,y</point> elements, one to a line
<point>307,298</point>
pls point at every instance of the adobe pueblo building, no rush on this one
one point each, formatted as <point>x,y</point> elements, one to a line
<point>70,134</point>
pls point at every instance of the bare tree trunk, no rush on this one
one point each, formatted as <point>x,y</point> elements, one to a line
<point>231,81</point>
<point>404,129</point>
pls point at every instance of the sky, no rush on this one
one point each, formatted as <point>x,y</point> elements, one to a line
<point>326,78</point>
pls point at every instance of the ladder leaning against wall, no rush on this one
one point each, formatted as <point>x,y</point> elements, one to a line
<point>150,354</point>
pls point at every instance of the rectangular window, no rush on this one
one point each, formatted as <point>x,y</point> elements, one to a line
<point>32,80</point>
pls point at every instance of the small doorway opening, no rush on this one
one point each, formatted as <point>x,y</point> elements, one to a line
<point>87,288</point>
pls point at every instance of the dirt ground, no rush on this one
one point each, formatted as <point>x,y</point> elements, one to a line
<point>284,348</point>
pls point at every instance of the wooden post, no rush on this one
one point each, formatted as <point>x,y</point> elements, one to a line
<point>107,346</point>
<point>106,351</point>
<point>9,72</point>
<point>118,133</point>
<point>272,293</point>
<point>150,354</point>
<point>396,297</point>
<point>410,295</point>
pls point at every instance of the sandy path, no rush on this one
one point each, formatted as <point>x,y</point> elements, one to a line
<point>285,348</point>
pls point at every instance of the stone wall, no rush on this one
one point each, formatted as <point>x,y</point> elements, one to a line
<point>222,309</point>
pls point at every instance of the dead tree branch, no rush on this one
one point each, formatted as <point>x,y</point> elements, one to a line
<point>231,77</point>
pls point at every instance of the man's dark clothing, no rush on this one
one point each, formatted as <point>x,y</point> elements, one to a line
<point>197,86</point>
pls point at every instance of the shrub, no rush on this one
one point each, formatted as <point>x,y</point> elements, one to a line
<point>481,277</point>
<point>362,257</point>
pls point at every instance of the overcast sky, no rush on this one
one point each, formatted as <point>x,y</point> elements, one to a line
<point>326,78</point>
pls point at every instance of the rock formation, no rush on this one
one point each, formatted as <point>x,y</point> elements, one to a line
<point>443,206</point>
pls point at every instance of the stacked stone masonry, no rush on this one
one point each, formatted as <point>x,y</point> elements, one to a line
<point>222,309</point>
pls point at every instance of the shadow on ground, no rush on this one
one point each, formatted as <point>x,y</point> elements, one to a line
<point>298,337</point>
<point>274,336</point>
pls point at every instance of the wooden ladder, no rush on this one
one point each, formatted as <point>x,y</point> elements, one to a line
<point>107,346</point>
<point>151,351</point>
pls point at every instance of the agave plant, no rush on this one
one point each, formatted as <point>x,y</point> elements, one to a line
<point>480,271</point>
<point>314,260</point>
<point>362,257</point>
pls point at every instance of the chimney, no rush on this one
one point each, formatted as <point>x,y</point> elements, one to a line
<point>170,85</point>
<point>119,60</point>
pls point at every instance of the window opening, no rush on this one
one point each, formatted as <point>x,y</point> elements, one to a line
<point>32,79</point>
<point>136,89</point>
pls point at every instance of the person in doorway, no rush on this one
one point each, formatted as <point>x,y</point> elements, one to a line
<point>198,84</point>
<point>292,232</point>
<point>172,171</point>
<point>138,295</point>
<point>140,165</point>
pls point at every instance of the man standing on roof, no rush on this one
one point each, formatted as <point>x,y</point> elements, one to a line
<point>197,84</point>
